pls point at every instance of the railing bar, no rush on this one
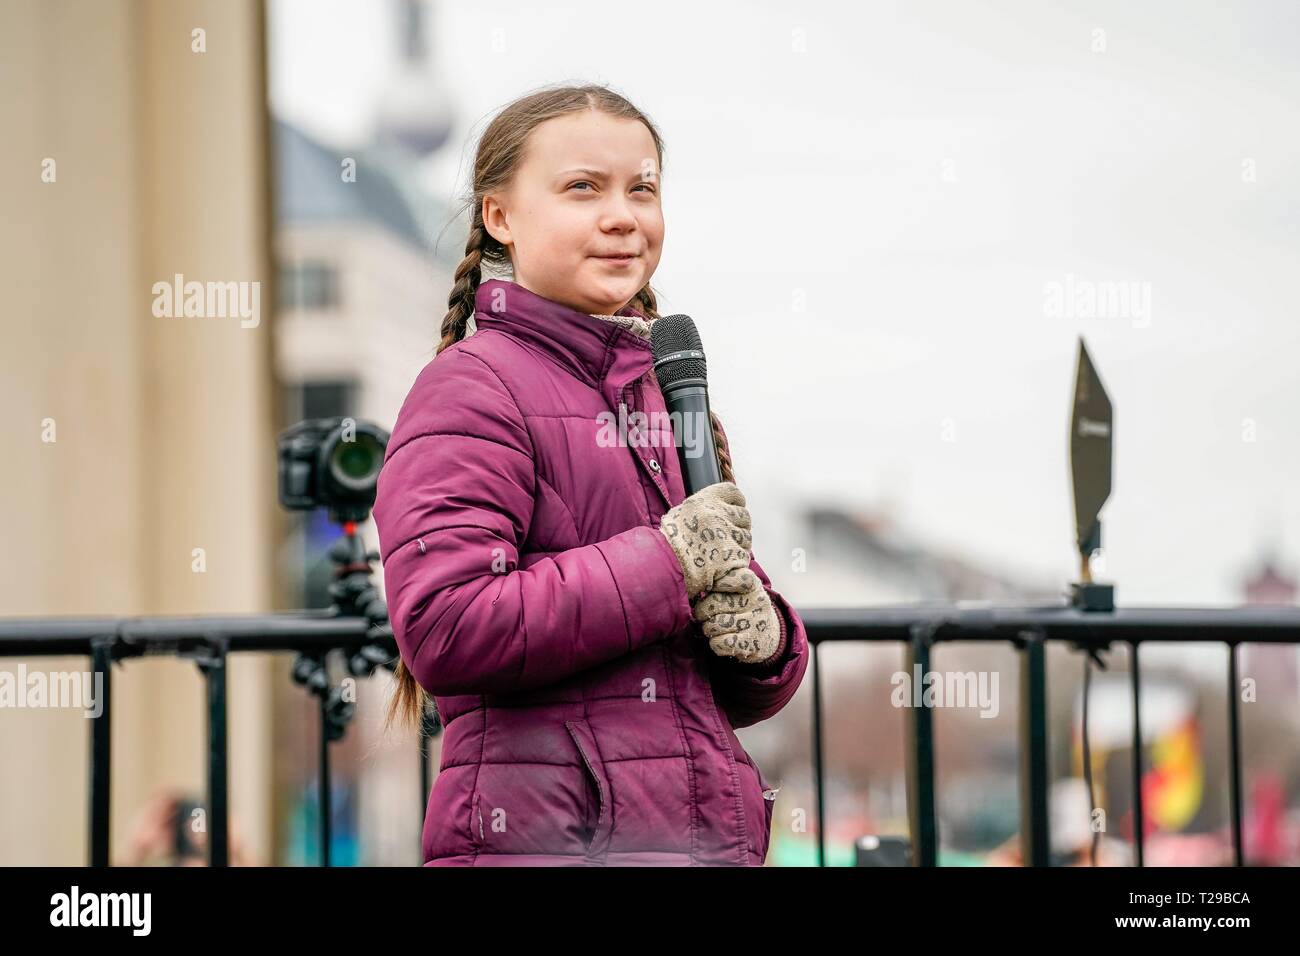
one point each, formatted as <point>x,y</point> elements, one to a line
<point>303,631</point>
<point>1035,838</point>
<point>1135,681</point>
<point>1234,743</point>
<point>214,671</point>
<point>101,753</point>
<point>920,757</point>
<point>818,744</point>
<point>326,804</point>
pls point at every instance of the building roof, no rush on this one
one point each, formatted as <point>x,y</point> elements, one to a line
<point>872,544</point>
<point>309,188</point>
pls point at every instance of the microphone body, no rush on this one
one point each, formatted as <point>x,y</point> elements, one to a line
<point>690,404</point>
<point>683,378</point>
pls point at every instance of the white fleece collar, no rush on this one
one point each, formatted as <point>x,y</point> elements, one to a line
<point>633,323</point>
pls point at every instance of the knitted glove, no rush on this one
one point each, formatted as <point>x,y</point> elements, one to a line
<point>710,533</point>
<point>739,618</point>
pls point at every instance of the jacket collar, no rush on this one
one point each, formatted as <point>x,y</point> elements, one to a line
<point>594,350</point>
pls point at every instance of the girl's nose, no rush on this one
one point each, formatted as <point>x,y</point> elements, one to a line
<point>617,214</point>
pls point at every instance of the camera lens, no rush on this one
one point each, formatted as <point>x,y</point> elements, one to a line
<point>355,464</point>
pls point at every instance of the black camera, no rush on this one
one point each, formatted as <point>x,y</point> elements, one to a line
<point>332,463</point>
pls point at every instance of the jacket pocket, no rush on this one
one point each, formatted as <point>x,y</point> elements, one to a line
<point>476,834</point>
<point>585,741</point>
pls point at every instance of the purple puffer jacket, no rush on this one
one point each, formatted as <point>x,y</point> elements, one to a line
<point>531,592</point>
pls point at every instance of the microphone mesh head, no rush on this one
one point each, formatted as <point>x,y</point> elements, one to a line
<point>676,333</point>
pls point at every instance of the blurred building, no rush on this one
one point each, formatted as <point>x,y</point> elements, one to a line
<point>1275,666</point>
<point>415,114</point>
<point>360,297</point>
<point>857,558</point>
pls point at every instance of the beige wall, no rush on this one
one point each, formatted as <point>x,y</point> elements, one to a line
<point>164,426</point>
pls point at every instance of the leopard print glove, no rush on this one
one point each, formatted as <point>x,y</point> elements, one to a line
<point>710,534</point>
<point>739,618</point>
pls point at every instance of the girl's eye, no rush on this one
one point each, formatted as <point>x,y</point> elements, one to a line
<point>582,182</point>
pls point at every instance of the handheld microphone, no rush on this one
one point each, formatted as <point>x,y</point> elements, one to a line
<point>683,378</point>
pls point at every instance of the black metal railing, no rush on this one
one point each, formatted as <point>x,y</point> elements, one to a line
<point>208,641</point>
<point>1028,630</point>
<point>366,646</point>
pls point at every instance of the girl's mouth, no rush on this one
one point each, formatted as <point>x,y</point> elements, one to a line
<point>616,260</point>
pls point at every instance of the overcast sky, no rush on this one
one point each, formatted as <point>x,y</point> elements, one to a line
<point>916,176</point>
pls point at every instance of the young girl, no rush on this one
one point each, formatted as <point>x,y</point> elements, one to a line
<point>591,635</point>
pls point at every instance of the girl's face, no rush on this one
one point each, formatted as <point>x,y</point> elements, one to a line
<point>586,190</point>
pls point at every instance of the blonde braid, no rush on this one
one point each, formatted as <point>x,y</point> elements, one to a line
<point>469,274</point>
<point>724,449</point>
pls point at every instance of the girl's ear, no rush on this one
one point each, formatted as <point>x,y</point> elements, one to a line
<point>494,219</point>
